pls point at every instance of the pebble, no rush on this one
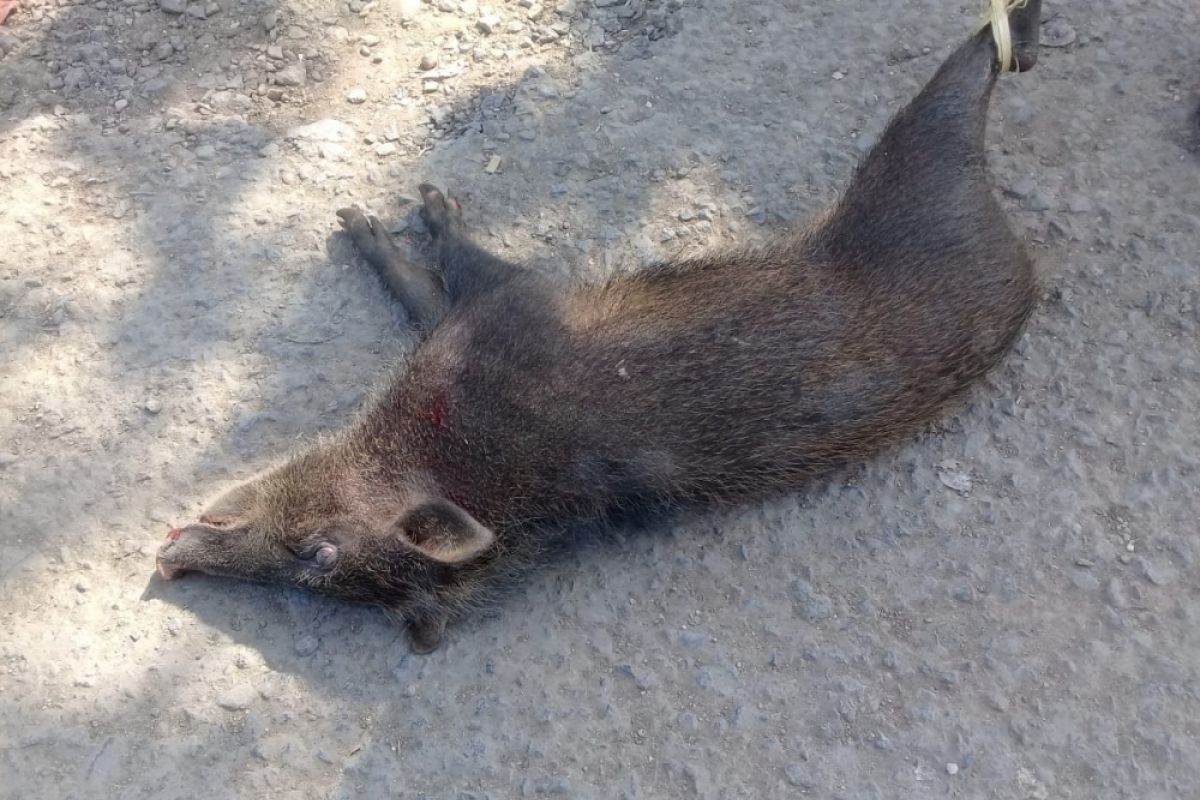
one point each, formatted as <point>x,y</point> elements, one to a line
<point>1057,32</point>
<point>952,475</point>
<point>269,20</point>
<point>306,644</point>
<point>238,698</point>
<point>1114,593</point>
<point>952,768</point>
<point>173,6</point>
<point>1021,188</point>
<point>356,96</point>
<point>487,23</point>
<point>429,60</point>
<point>292,75</point>
<point>206,151</point>
<point>799,777</point>
<point>1156,572</point>
<point>275,51</point>
<point>811,606</point>
<point>1038,201</point>
<point>721,680</point>
<point>152,406</point>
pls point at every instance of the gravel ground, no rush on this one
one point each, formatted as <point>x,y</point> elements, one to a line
<point>1008,607</point>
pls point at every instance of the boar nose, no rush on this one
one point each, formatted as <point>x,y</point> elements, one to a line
<point>175,554</point>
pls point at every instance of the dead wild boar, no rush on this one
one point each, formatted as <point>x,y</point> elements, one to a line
<point>529,408</point>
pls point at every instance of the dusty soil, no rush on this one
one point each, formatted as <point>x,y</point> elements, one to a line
<point>1008,607</point>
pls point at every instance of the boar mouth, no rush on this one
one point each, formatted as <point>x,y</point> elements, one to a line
<point>169,572</point>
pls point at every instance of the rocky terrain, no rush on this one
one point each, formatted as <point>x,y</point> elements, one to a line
<point>1008,607</point>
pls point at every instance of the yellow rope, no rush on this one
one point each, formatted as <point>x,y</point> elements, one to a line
<point>996,15</point>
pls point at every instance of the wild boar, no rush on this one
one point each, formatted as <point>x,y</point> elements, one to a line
<point>529,408</point>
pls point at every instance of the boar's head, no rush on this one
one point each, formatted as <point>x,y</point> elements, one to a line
<point>314,523</point>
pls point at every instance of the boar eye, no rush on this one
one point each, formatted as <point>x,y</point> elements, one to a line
<point>325,555</point>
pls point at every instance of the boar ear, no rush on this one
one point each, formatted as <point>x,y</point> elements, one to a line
<point>444,532</point>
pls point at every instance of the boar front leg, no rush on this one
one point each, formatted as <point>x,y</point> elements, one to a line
<point>419,290</point>
<point>467,268</point>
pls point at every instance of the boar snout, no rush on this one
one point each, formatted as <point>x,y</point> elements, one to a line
<point>195,548</point>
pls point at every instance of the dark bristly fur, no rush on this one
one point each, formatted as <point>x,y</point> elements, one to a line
<point>528,408</point>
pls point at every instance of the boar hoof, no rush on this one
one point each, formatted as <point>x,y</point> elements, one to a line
<point>442,214</point>
<point>368,234</point>
<point>424,636</point>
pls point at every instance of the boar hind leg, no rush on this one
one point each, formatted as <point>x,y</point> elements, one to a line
<point>467,268</point>
<point>419,290</point>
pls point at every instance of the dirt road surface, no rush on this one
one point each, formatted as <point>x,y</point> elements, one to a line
<point>1008,607</point>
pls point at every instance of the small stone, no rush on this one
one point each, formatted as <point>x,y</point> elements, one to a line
<point>1057,32</point>
<point>206,151</point>
<point>1021,188</point>
<point>534,13</point>
<point>837,76</point>
<point>1084,580</point>
<point>197,11</point>
<point>1114,594</point>
<point>1156,572</point>
<point>1038,201</point>
<point>269,20</point>
<point>408,9</point>
<point>292,75</point>
<point>514,26</point>
<point>953,476</point>
<point>962,591</point>
<point>493,165</point>
<point>429,60</point>
<point>238,698</point>
<point>429,87</point>
<point>275,51</point>
<point>152,406</point>
<point>275,93</point>
<point>812,606</point>
<point>799,777</point>
<point>356,96</point>
<point>121,104</point>
<point>686,215</point>
<point>306,644</point>
<point>385,149</point>
<point>173,6</point>
<point>952,768</point>
<point>487,23</point>
<point>526,134</point>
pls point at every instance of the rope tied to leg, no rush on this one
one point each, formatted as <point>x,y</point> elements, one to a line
<point>996,14</point>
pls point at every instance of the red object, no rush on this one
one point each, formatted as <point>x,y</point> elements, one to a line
<point>173,534</point>
<point>436,412</point>
<point>6,8</point>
